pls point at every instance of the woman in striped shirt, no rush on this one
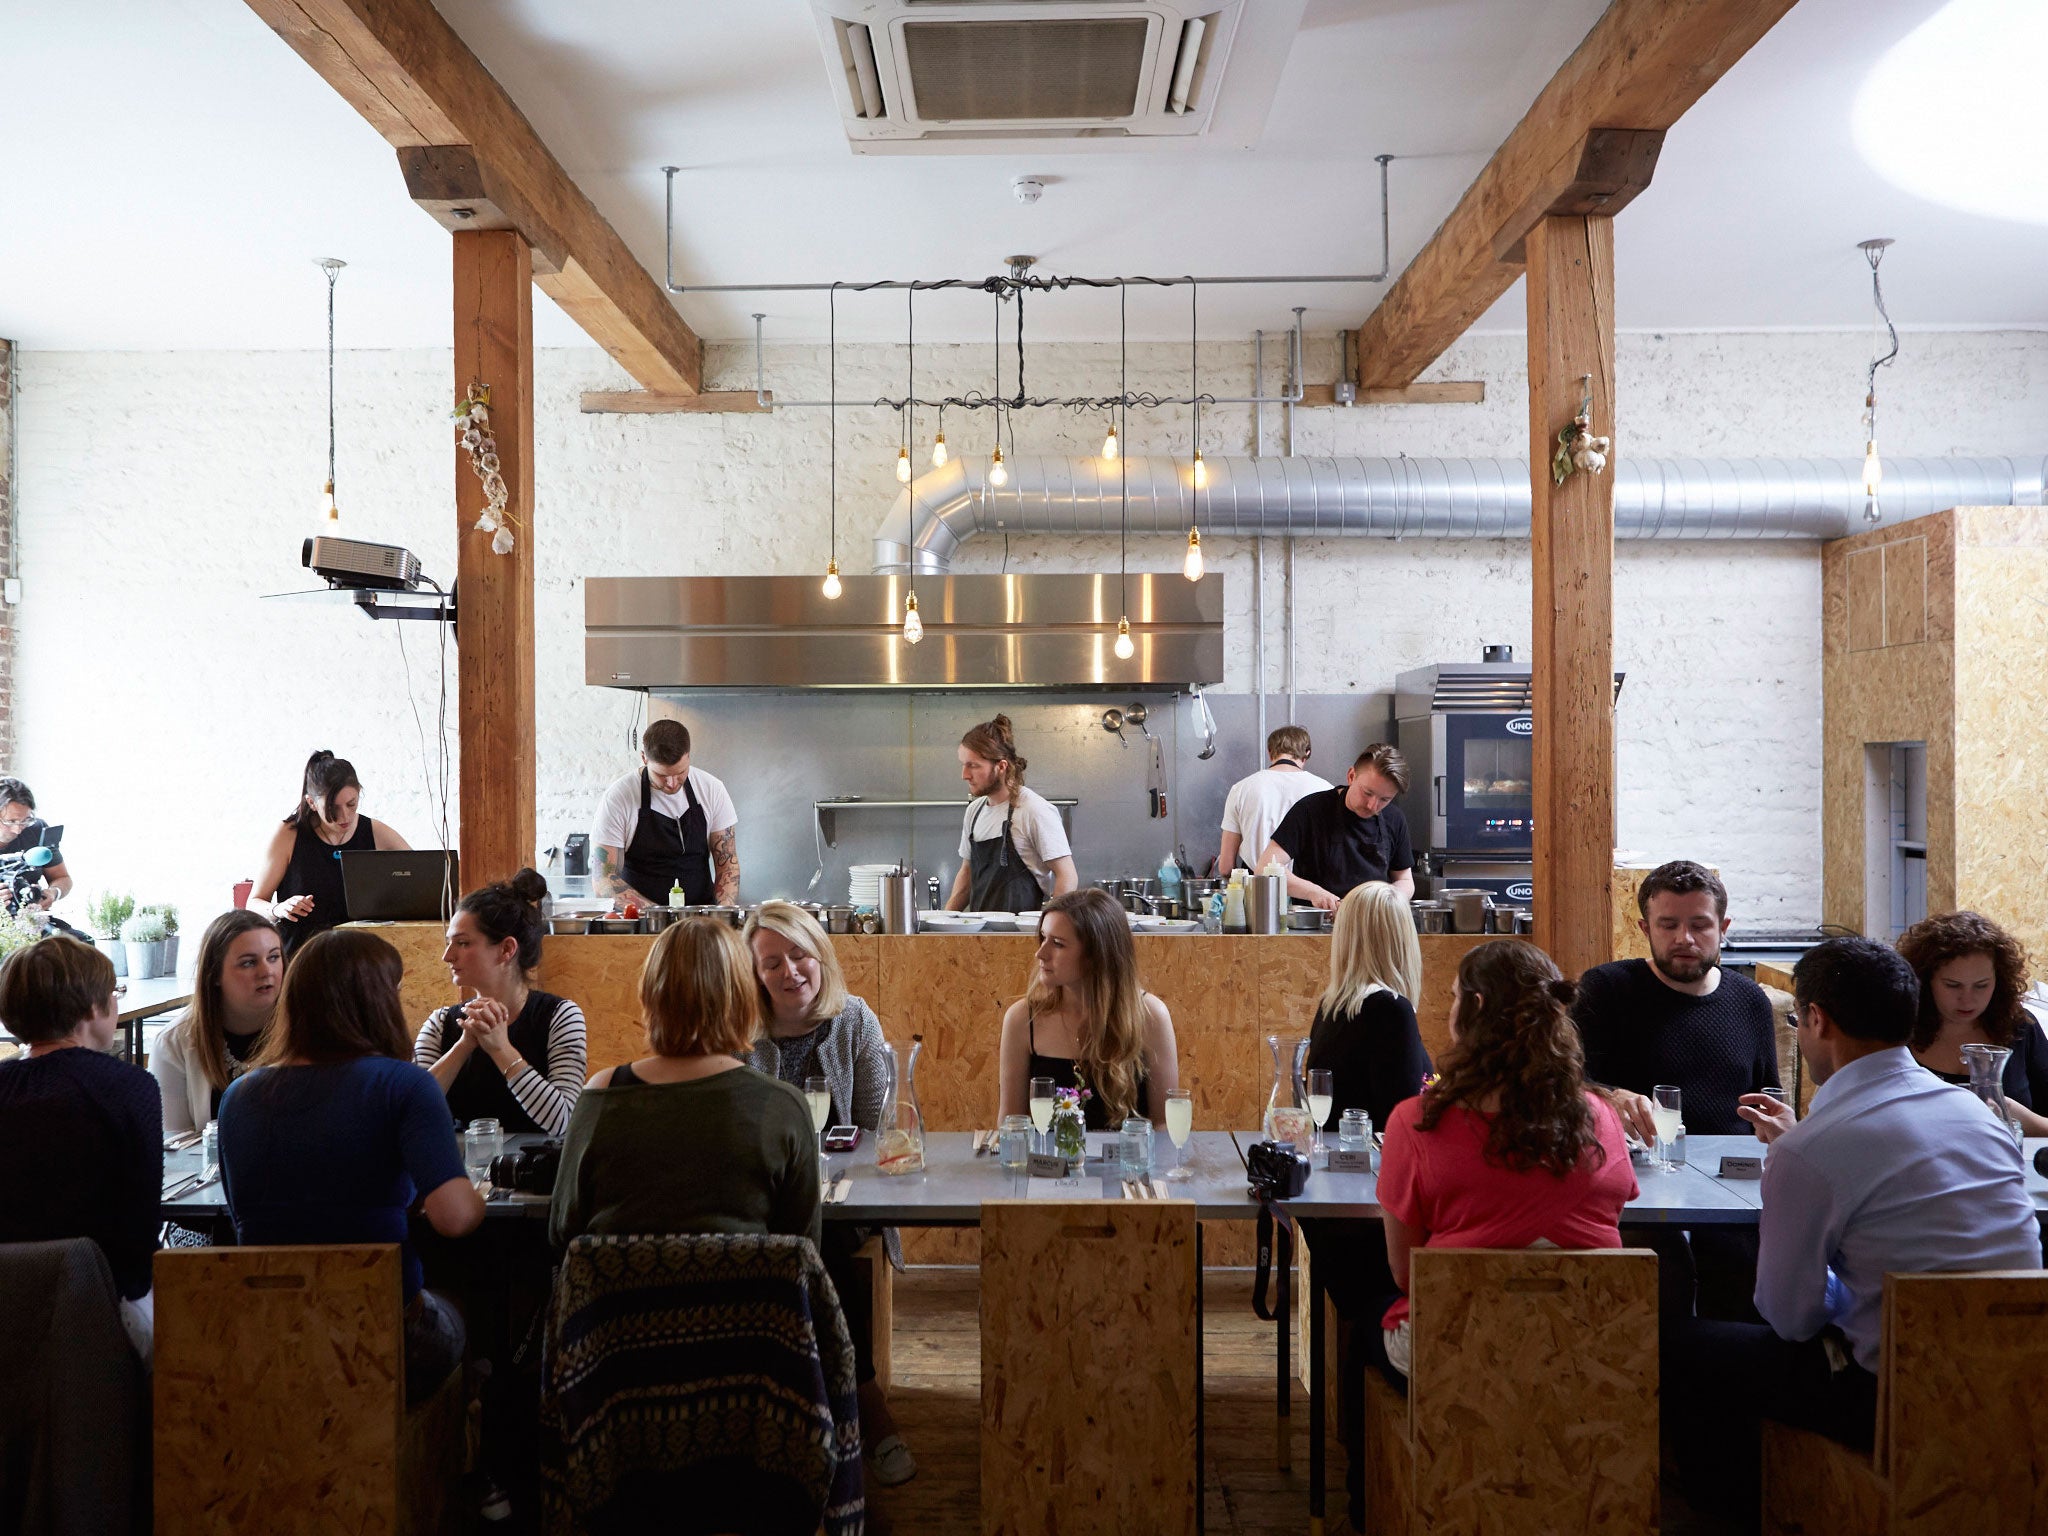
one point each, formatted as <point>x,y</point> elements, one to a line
<point>510,1052</point>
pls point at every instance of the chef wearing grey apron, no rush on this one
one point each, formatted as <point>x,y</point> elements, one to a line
<point>997,878</point>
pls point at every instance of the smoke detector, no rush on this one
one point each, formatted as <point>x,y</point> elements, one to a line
<point>990,76</point>
<point>1027,189</point>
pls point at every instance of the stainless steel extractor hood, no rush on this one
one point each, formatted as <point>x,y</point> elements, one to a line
<point>664,632</point>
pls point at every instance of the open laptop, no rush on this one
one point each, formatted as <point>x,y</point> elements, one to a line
<point>400,884</point>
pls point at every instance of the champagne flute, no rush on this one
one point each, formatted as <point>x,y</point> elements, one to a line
<point>1180,1124</point>
<point>1670,1123</point>
<point>1041,1108</point>
<point>818,1094</point>
<point>1322,1089</point>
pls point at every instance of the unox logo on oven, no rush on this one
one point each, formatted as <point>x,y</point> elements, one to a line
<point>1521,890</point>
<point>1522,725</point>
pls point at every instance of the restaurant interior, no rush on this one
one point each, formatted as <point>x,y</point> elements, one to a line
<point>1459,547</point>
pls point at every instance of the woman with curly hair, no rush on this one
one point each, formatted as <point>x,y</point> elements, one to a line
<point>1972,977</point>
<point>1508,1148</point>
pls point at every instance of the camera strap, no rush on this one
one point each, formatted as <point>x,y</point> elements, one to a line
<point>1266,1229</point>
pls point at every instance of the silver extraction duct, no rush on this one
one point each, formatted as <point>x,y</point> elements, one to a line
<point>1422,498</point>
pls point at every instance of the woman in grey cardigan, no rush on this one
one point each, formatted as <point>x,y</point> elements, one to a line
<point>814,1029</point>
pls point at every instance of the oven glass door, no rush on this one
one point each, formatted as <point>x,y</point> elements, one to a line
<point>1487,789</point>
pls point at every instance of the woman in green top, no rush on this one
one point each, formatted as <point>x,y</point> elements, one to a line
<point>690,1139</point>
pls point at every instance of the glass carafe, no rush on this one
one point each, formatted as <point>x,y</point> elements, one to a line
<point>899,1145</point>
<point>1987,1080</point>
<point>1287,1116</point>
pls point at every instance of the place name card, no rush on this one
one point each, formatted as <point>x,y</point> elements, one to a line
<point>1733,1167</point>
<point>1342,1161</point>
<point>1048,1165</point>
<point>1113,1154</point>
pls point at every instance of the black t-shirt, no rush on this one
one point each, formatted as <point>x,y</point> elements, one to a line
<point>1374,1054</point>
<point>2026,1070</point>
<point>30,836</point>
<point>1337,850</point>
<point>1638,1033</point>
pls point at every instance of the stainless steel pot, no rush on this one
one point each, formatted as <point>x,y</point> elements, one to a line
<point>732,917</point>
<point>1199,890</point>
<point>1468,909</point>
<point>568,925</point>
<point>840,919</point>
<point>1142,885</point>
<point>1308,920</point>
<point>615,925</point>
<point>1525,920</point>
<point>654,919</point>
<point>1431,917</point>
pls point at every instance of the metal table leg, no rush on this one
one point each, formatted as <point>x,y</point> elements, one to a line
<point>1201,1421</point>
<point>1283,1266</point>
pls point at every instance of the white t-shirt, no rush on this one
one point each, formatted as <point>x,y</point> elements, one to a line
<point>1257,803</point>
<point>619,815</point>
<point>1038,832</point>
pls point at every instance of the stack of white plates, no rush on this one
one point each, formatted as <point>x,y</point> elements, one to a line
<point>866,884</point>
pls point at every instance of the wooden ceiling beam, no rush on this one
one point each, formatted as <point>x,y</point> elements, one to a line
<point>417,83</point>
<point>1641,67</point>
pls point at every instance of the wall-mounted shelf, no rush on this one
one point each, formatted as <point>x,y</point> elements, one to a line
<point>827,811</point>
<point>380,602</point>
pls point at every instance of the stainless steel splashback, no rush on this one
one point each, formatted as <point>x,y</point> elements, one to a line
<point>1003,632</point>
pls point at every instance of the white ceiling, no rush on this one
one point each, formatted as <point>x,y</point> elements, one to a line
<point>173,168</point>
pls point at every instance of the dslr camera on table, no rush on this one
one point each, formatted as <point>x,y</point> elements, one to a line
<point>1275,1170</point>
<point>528,1170</point>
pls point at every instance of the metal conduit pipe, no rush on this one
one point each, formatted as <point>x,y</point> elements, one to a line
<point>1423,498</point>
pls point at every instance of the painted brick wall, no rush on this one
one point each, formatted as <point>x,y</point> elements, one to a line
<point>8,740</point>
<point>166,711</point>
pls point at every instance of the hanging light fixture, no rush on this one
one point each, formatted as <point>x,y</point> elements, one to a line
<point>1192,566</point>
<point>913,626</point>
<point>1109,449</point>
<point>831,587</point>
<point>330,514</point>
<point>939,454</point>
<point>1124,647</point>
<point>998,476</point>
<point>1873,468</point>
<point>1125,650</point>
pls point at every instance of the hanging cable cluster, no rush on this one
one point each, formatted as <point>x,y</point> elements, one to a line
<point>1873,469</point>
<point>330,514</point>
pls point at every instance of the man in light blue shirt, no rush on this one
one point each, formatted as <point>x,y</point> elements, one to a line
<point>1892,1170</point>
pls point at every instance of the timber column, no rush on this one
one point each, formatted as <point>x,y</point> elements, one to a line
<point>494,602</point>
<point>1570,281</point>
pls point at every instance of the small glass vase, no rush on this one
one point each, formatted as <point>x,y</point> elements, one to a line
<point>1070,1137</point>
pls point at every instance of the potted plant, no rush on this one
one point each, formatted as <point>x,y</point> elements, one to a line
<point>169,914</point>
<point>143,937</point>
<point>107,912</point>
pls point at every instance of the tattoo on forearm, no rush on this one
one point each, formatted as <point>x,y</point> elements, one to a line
<point>725,862</point>
<point>610,881</point>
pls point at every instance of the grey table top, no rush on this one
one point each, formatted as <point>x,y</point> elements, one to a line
<point>950,1192</point>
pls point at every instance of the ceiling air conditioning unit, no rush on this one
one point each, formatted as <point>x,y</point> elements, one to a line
<point>988,76</point>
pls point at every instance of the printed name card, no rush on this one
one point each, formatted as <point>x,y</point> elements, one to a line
<point>1733,1167</point>
<point>1342,1161</point>
<point>1048,1165</point>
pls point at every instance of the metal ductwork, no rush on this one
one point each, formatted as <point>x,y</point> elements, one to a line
<point>1421,498</point>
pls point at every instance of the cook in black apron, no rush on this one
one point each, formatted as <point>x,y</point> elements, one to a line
<point>997,879</point>
<point>667,850</point>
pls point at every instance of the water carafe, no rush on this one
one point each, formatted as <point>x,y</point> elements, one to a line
<point>1287,1116</point>
<point>1987,1081</point>
<point>899,1147</point>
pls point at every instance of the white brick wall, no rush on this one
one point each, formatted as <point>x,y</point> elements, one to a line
<point>164,712</point>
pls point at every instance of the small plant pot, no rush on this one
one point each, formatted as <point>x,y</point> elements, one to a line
<point>171,956</point>
<point>115,951</point>
<point>146,961</point>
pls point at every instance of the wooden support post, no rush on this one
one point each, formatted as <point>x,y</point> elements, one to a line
<point>494,593</point>
<point>1571,528</point>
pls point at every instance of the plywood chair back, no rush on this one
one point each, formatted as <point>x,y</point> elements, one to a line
<point>1965,1402</point>
<point>1090,1367</point>
<point>1533,1393</point>
<point>280,1390</point>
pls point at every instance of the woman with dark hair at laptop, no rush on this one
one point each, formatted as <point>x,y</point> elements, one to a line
<point>510,1052</point>
<point>301,877</point>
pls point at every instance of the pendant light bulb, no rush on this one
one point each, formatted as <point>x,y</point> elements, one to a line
<point>1109,445</point>
<point>913,626</point>
<point>903,465</point>
<point>832,578</point>
<point>1201,472</point>
<point>329,512</point>
<point>939,454</point>
<point>998,476</point>
<point>1873,471</point>
<point>1192,566</point>
<point>1124,648</point>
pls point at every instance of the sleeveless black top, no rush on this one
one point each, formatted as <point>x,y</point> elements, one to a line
<point>1094,1113</point>
<point>315,871</point>
<point>481,1091</point>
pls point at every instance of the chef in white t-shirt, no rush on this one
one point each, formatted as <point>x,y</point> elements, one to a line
<point>667,825</point>
<point>1256,804</point>
<point>1013,846</point>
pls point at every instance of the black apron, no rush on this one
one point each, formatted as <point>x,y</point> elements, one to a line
<point>481,1091</point>
<point>998,880</point>
<point>669,849</point>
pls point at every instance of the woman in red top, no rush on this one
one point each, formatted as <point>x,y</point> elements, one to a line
<point>1507,1149</point>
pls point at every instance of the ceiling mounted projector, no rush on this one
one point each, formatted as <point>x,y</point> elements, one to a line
<point>354,563</point>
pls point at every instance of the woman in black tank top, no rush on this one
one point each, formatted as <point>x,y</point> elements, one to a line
<point>1084,988</point>
<point>301,876</point>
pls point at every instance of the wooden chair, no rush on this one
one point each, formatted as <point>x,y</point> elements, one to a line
<point>1961,1414</point>
<point>1090,1367</point>
<point>873,1257</point>
<point>280,1397</point>
<point>1532,1406</point>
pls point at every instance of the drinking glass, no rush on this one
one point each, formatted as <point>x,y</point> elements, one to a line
<point>1180,1125</point>
<point>1322,1088</point>
<point>1014,1141</point>
<point>1135,1146</point>
<point>1041,1109</point>
<point>1670,1124</point>
<point>1354,1130</point>
<point>484,1140</point>
<point>818,1094</point>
